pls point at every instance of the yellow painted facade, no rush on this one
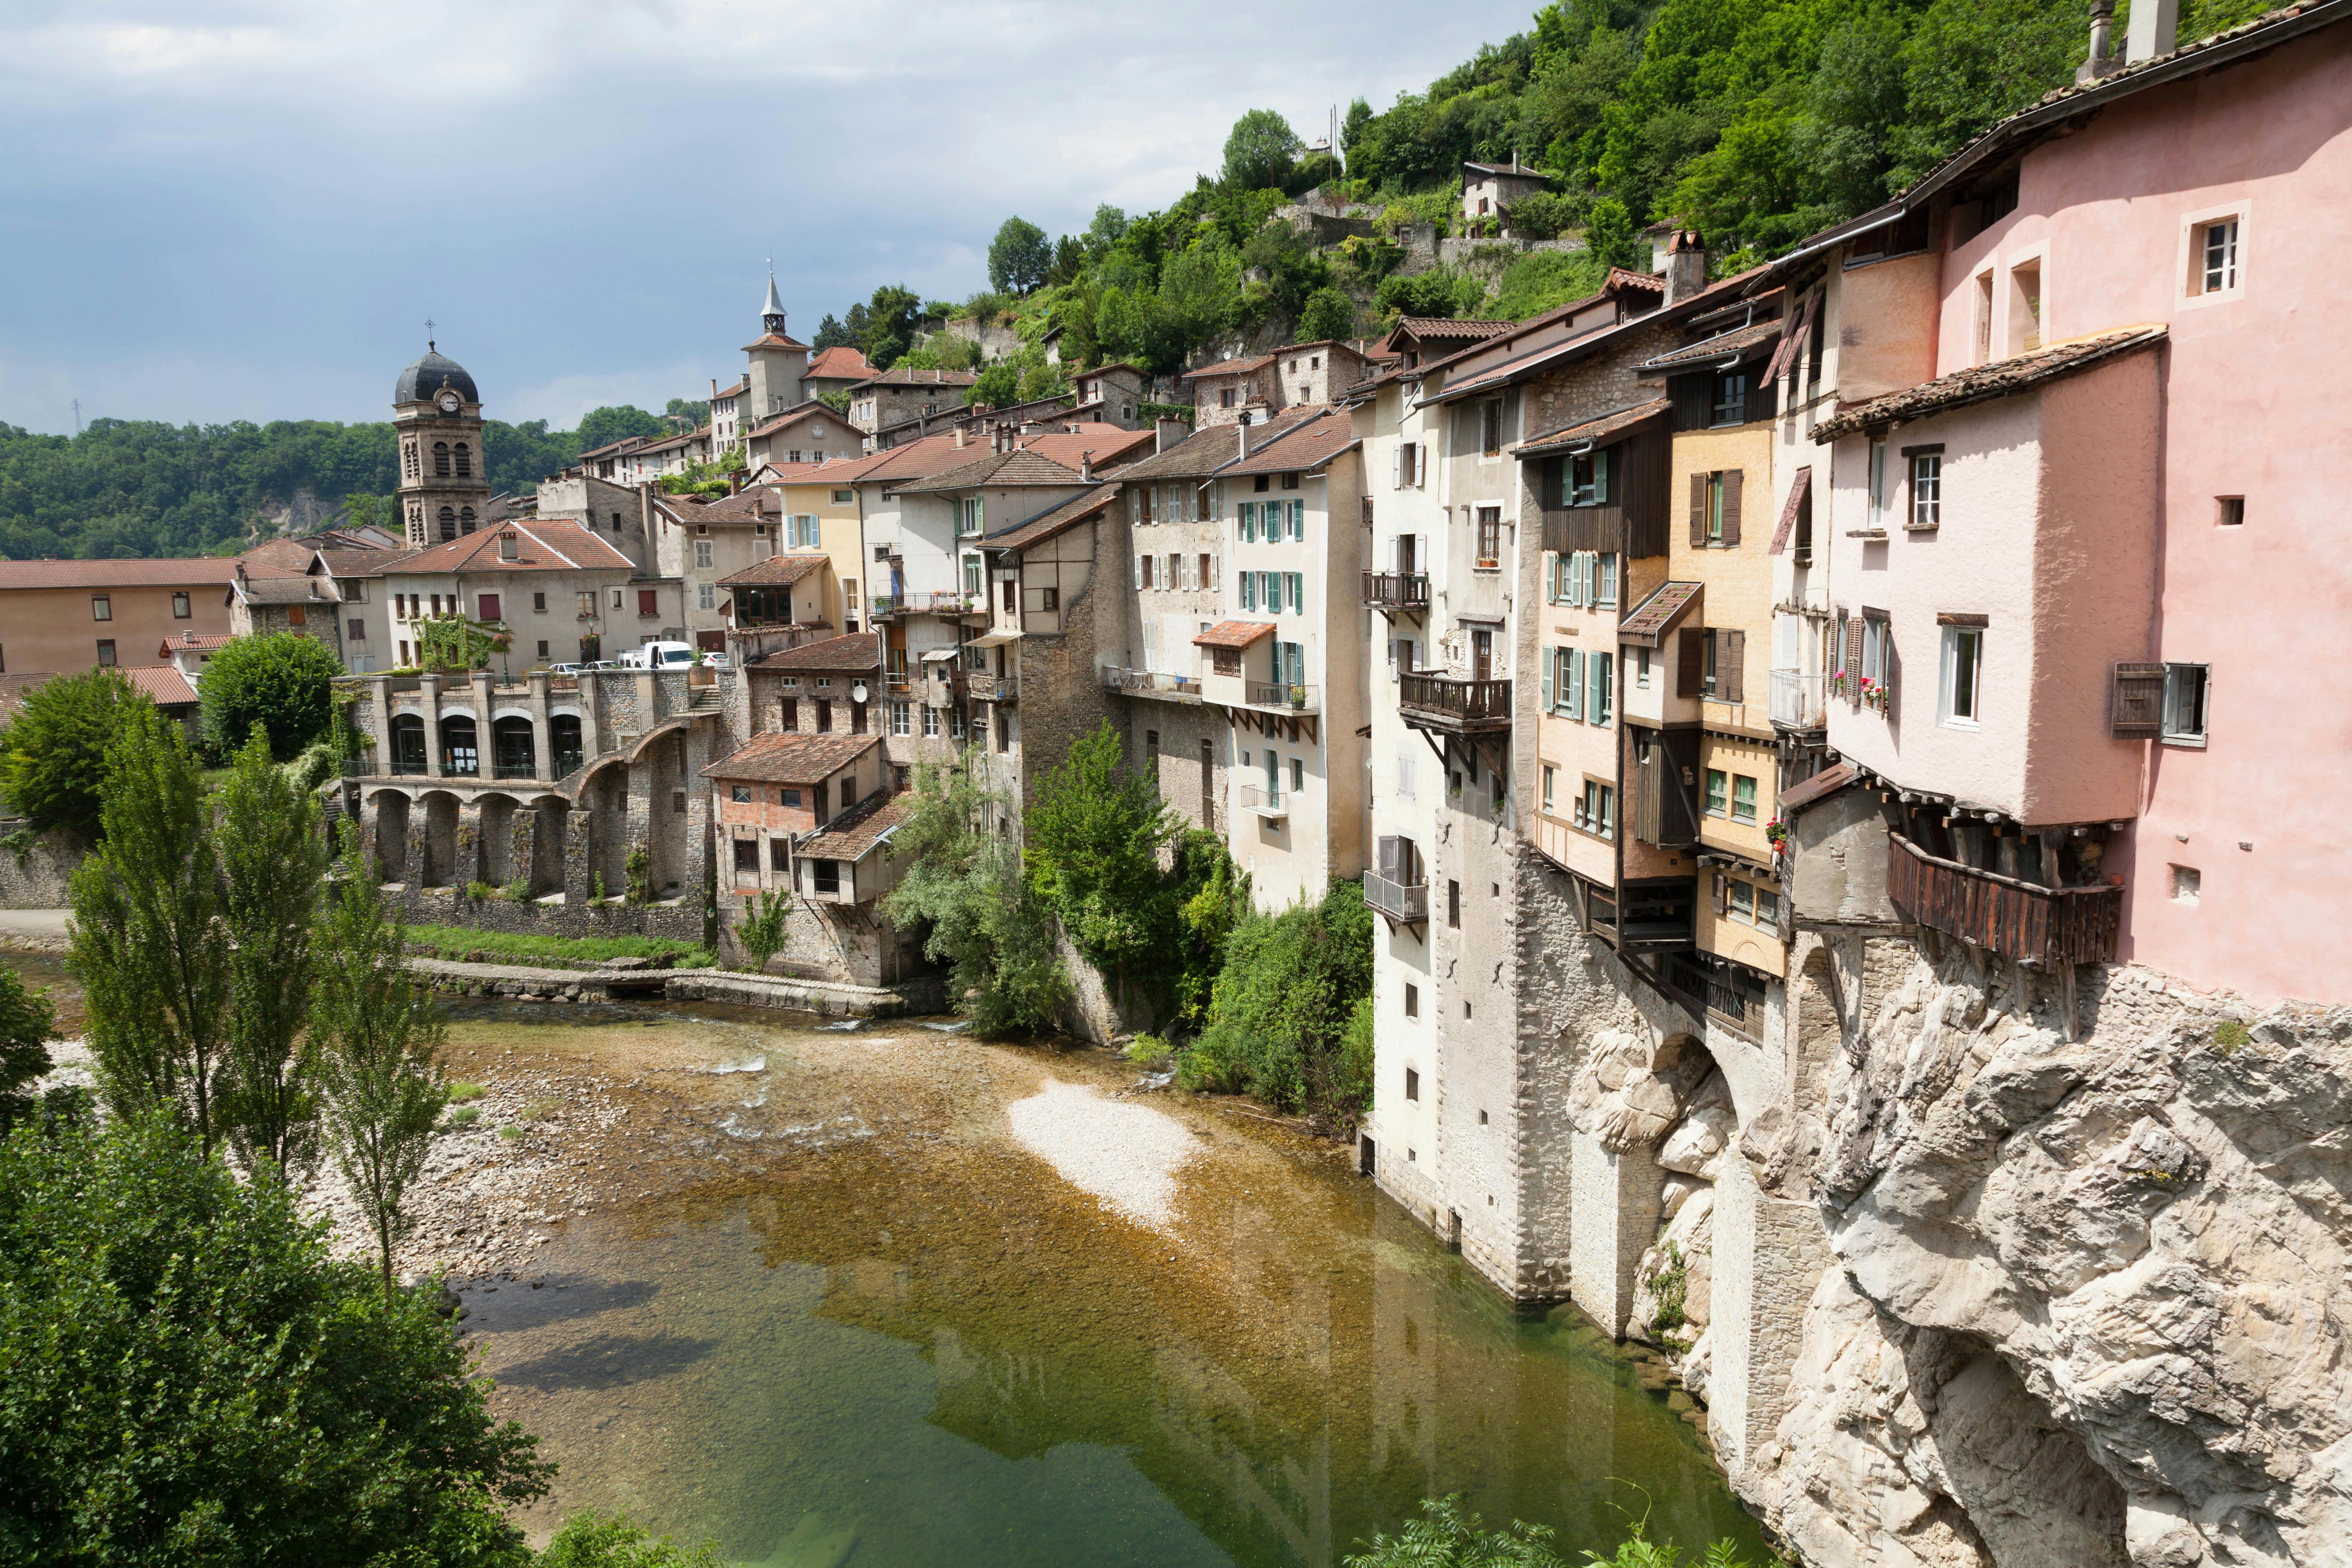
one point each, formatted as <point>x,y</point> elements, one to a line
<point>1747,932</point>
<point>834,503</point>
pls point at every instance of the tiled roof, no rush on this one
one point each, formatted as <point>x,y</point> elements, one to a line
<point>278,558</point>
<point>901,376</point>
<point>543,544</point>
<point>735,391</point>
<point>1655,615</point>
<point>774,340</point>
<point>362,563</point>
<point>1019,467</point>
<point>178,572</point>
<point>1607,427</point>
<point>1209,450</point>
<point>285,591</point>
<point>849,835</point>
<point>1311,444</point>
<point>791,417</point>
<point>1430,328</point>
<point>1108,445</point>
<point>1231,367</point>
<point>611,448</point>
<point>754,503</point>
<point>844,655</point>
<point>838,364</point>
<point>776,571</point>
<point>1513,167</point>
<point>832,471</point>
<point>163,683</point>
<point>1504,372</point>
<point>1723,345</point>
<point>1981,383</point>
<point>1233,634</point>
<point>1828,782</point>
<point>786,757</point>
<point>205,642</point>
<point>1047,524</point>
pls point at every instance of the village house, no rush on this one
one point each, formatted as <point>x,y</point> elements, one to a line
<point>1489,190</point>
<point>60,616</point>
<point>902,392</point>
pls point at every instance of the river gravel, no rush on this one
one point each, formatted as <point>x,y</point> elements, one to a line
<point>1126,1154</point>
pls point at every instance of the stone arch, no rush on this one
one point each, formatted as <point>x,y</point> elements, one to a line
<point>388,817</point>
<point>437,843</point>
<point>602,795</point>
<point>550,816</point>
<point>498,822</point>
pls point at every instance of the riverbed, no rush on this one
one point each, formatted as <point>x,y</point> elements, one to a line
<point>889,1295</point>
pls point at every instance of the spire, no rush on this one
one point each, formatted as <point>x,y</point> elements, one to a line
<point>772,314</point>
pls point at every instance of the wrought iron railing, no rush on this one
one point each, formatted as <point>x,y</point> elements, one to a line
<point>2007,917</point>
<point>1160,681</point>
<point>1800,701</point>
<point>1264,802</point>
<point>1397,900</point>
<point>1298,699</point>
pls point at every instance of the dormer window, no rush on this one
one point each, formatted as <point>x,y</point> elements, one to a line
<point>510,547</point>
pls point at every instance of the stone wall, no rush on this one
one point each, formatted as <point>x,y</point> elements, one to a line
<point>35,877</point>
<point>680,920</point>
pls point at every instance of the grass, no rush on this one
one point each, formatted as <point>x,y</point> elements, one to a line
<point>459,1093</point>
<point>509,1132</point>
<point>454,942</point>
<point>537,1111</point>
<point>463,1115</point>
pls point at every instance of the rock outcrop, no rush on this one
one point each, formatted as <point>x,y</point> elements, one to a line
<point>2091,1298</point>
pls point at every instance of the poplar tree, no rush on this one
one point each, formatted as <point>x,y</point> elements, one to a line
<point>273,858</point>
<point>379,1040</point>
<point>147,937</point>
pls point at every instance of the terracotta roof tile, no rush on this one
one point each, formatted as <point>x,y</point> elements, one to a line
<point>1607,427</point>
<point>1233,634</point>
<point>810,410</point>
<point>1047,524</point>
<point>857,830</point>
<point>838,364</point>
<point>205,642</point>
<point>285,591</point>
<point>1312,443</point>
<point>1019,467</point>
<point>206,571</point>
<point>1655,615</point>
<point>845,655</point>
<point>903,375</point>
<point>162,682</point>
<point>776,571</point>
<point>1231,367</point>
<point>543,544</point>
<point>774,340</point>
<point>1723,345</point>
<point>1981,383</point>
<point>785,756</point>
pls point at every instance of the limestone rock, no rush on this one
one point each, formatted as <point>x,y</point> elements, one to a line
<point>1696,1145</point>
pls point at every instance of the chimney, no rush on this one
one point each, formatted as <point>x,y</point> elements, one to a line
<point>2153,24</point>
<point>1087,466</point>
<point>1240,428</point>
<point>1686,265</point>
<point>2100,61</point>
<point>962,436</point>
<point>1167,433</point>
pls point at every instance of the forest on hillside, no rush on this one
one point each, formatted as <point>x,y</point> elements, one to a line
<point>1757,121</point>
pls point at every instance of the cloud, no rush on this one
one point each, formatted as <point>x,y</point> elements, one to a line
<point>247,208</point>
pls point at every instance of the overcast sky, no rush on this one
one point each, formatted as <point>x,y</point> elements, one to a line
<point>219,209</point>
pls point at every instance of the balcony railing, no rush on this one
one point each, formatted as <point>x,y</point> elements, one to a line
<point>1296,699</point>
<point>1800,701</point>
<point>1408,902</point>
<point>992,688</point>
<point>882,606</point>
<point>1157,683</point>
<point>1397,590</point>
<point>1266,802</point>
<point>897,681</point>
<point>2003,915</point>
<point>1446,702</point>
<point>1726,993</point>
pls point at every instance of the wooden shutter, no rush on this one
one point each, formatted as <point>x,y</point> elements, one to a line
<point>1731,506</point>
<point>1694,400</point>
<point>1596,688</point>
<point>1798,493</point>
<point>1698,512</point>
<point>1573,697</point>
<point>1396,466</point>
<point>1854,661</point>
<point>1689,661</point>
<point>1550,657</point>
<point>2136,709</point>
<point>1730,660</point>
<point>1389,857</point>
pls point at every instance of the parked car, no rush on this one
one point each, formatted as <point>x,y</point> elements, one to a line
<point>717,660</point>
<point>658,656</point>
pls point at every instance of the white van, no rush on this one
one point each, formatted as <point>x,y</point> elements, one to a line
<point>659,656</point>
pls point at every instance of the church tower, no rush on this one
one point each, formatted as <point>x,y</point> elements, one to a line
<point>436,418</point>
<point>778,364</point>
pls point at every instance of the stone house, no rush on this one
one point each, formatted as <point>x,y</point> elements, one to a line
<point>903,393</point>
<point>810,433</point>
<point>1111,394</point>
<point>836,369</point>
<point>1306,374</point>
<point>562,593</point>
<point>700,543</point>
<point>1234,391</point>
<point>301,603</point>
<point>728,424</point>
<point>1489,190</point>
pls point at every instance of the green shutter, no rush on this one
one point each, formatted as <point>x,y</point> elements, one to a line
<point>1549,656</point>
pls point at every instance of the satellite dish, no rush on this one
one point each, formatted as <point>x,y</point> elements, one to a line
<point>858,692</point>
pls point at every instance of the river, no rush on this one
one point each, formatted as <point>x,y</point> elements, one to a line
<point>879,1327</point>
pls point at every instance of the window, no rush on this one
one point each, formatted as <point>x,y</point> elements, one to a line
<point>1877,522</point>
<point>1715,507</point>
<point>2230,511</point>
<point>106,651</point>
<point>741,794</point>
<point>1454,904</point>
<point>1412,1000</point>
<point>1604,579</point>
<point>1490,538</point>
<point>1412,1082</point>
<point>1599,686</point>
<point>486,606</point>
<point>1926,485</point>
<point>1963,675</point>
<point>793,798</point>
<point>2025,307</point>
<point>179,607</point>
<point>1298,775</point>
<point>706,596</point>
<point>902,719</point>
<point>2213,267</point>
<point>1144,567</point>
<point>1490,428</point>
<point>702,554</point>
<point>441,459</point>
<point>102,607</point>
<point>464,519</point>
<point>1295,591</point>
<point>295,616</point>
<point>1596,809</point>
<point>2186,884</point>
<point>1641,667</point>
<point>1767,907</point>
<point>616,599</point>
<point>464,461</point>
<point>1550,775</point>
<point>1731,399</point>
<point>1290,482</point>
<point>357,631</point>
<point>1588,480</point>
<point>1743,798</point>
<point>2184,703</point>
<point>1877,642</point>
<point>1718,793</point>
<point>648,607</point>
<point>1049,599</point>
<point>1740,900</point>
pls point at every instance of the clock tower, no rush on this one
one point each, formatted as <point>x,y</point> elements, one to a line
<point>436,419</point>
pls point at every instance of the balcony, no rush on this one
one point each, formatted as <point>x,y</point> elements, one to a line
<point>2006,917</point>
<point>1153,683</point>
<point>1408,904</point>
<point>1267,803</point>
<point>1396,591</point>
<point>992,688</point>
<point>1721,992</point>
<point>1285,696</point>
<point>882,606</point>
<point>897,681</point>
<point>1456,706</point>
<point>1800,701</point>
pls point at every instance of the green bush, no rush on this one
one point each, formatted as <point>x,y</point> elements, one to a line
<point>53,756</point>
<point>1285,1023</point>
<point>193,1378</point>
<point>456,942</point>
<point>591,1540</point>
<point>1541,280</point>
<point>1440,292</point>
<point>1445,1536</point>
<point>280,680</point>
<point>459,1093</point>
<point>1545,214</point>
<point>1329,314</point>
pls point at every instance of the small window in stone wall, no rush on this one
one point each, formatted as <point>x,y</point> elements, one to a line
<point>678,802</point>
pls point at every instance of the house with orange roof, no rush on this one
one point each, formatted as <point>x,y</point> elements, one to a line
<point>561,593</point>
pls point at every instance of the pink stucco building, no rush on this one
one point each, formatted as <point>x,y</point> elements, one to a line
<point>2080,523</point>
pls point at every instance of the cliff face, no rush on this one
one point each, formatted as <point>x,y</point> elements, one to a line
<point>2092,1296</point>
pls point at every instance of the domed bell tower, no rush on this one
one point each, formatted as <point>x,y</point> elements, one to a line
<point>436,419</point>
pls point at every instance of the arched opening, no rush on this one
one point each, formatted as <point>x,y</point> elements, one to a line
<point>551,819</point>
<point>516,752</point>
<point>439,844</point>
<point>497,828</point>
<point>465,519</point>
<point>465,461</point>
<point>564,744</point>
<point>407,743</point>
<point>448,524</point>
<point>391,840</point>
<point>460,751</point>
<point>441,459</point>
<point>1673,1282</point>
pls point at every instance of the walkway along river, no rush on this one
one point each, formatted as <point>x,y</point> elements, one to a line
<point>887,1295</point>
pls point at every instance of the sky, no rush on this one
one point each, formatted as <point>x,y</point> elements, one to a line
<point>213,210</point>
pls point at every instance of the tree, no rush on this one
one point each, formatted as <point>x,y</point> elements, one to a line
<point>1260,149</point>
<point>193,1379</point>
<point>603,426</point>
<point>761,933</point>
<point>1329,314</point>
<point>272,858</point>
<point>1095,830</point>
<point>154,971</point>
<point>889,323</point>
<point>687,413</point>
<point>28,1023</point>
<point>592,1540</point>
<point>1108,228</point>
<point>1282,1010</point>
<point>1069,260</point>
<point>832,334</point>
<point>53,757</point>
<point>998,386</point>
<point>379,1040</point>
<point>280,680</point>
<point>1018,258</point>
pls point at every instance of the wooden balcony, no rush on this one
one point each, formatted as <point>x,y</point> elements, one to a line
<point>1397,591</point>
<point>1455,706</point>
<point>2009,918</point>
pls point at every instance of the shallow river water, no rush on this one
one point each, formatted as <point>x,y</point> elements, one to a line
<point>880,1329</point>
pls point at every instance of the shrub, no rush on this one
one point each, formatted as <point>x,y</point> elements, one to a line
<point>459,1093</point>
<point>1440,292</point>
<point>1329,314</point>
<point>53,756</point>
<point>1285,1008</point>
<point>591,1540</point>
<point>280,680</point>
<point>456,942</point>
<point>1544,214</point>
<point>761,934</point>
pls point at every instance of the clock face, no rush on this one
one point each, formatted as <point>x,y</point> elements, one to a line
<point>448,402</point>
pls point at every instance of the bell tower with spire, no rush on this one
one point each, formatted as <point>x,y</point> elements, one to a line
<point>436,422</point>
<point>779,362</point>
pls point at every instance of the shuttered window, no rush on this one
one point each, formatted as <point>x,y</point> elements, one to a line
<point>2135,706</point>
<point>1730,664</point>
<point>1690,651</point>
<point>1600,687</point>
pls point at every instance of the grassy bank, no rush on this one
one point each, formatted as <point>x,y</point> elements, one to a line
<point>456,942</point>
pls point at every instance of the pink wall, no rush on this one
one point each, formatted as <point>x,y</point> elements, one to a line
<point>2253,405</point>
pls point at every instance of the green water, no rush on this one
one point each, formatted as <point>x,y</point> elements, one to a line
<point>903,1339</point>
